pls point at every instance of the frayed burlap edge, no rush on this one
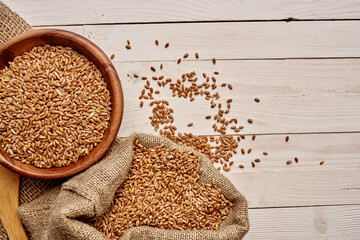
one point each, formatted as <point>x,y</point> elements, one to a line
<point>61,213</point>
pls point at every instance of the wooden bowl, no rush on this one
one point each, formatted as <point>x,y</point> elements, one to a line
<point>25,42</point>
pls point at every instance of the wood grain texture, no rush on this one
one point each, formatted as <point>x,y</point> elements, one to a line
<point>240,40</point>
<point>297,186</point>
<point>338,150</point>
<point>40,12</point>
<point>304,95</point>
<point>282,114</point>
<point>25,42</point>
<point>331,222</point>
<point>288,77</point>
<point>9,195</point>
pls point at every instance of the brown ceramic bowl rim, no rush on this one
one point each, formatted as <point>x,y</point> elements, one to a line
<point>25,42</point>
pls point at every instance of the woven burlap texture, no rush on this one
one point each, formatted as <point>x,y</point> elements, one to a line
<point>11,24</point>
<point>62,212</point>
<point>3,234</point>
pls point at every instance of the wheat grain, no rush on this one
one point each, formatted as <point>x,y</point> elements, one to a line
<point>167,195</point>
<point>55,105</point>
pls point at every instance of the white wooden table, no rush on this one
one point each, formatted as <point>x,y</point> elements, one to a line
<point>306,73</point>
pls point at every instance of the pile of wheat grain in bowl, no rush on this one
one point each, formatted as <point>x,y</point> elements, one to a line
<point>162,190</point>
<point>54,107</point>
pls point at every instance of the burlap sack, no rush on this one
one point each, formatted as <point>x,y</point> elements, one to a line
<point>10,24</point>
<point>62,212</point>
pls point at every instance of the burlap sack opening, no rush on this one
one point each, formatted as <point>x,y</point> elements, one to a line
<point>61,213</point>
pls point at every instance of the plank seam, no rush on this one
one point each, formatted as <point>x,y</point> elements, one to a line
<point>308,206</point>
<point>246,59</point>
<point>287,20</point>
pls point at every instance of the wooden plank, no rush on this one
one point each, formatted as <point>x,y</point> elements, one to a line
<point>272,183</point>
<point>337,150</point>
<point>240,40</point>
<point>330,222</point>
<point>297,186</point>
<point>256,78</point>
<point>296,95</point>
<point>282,114</point>
<point>41,12</point>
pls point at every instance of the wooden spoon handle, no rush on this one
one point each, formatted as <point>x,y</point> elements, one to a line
<point>9,195</point>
